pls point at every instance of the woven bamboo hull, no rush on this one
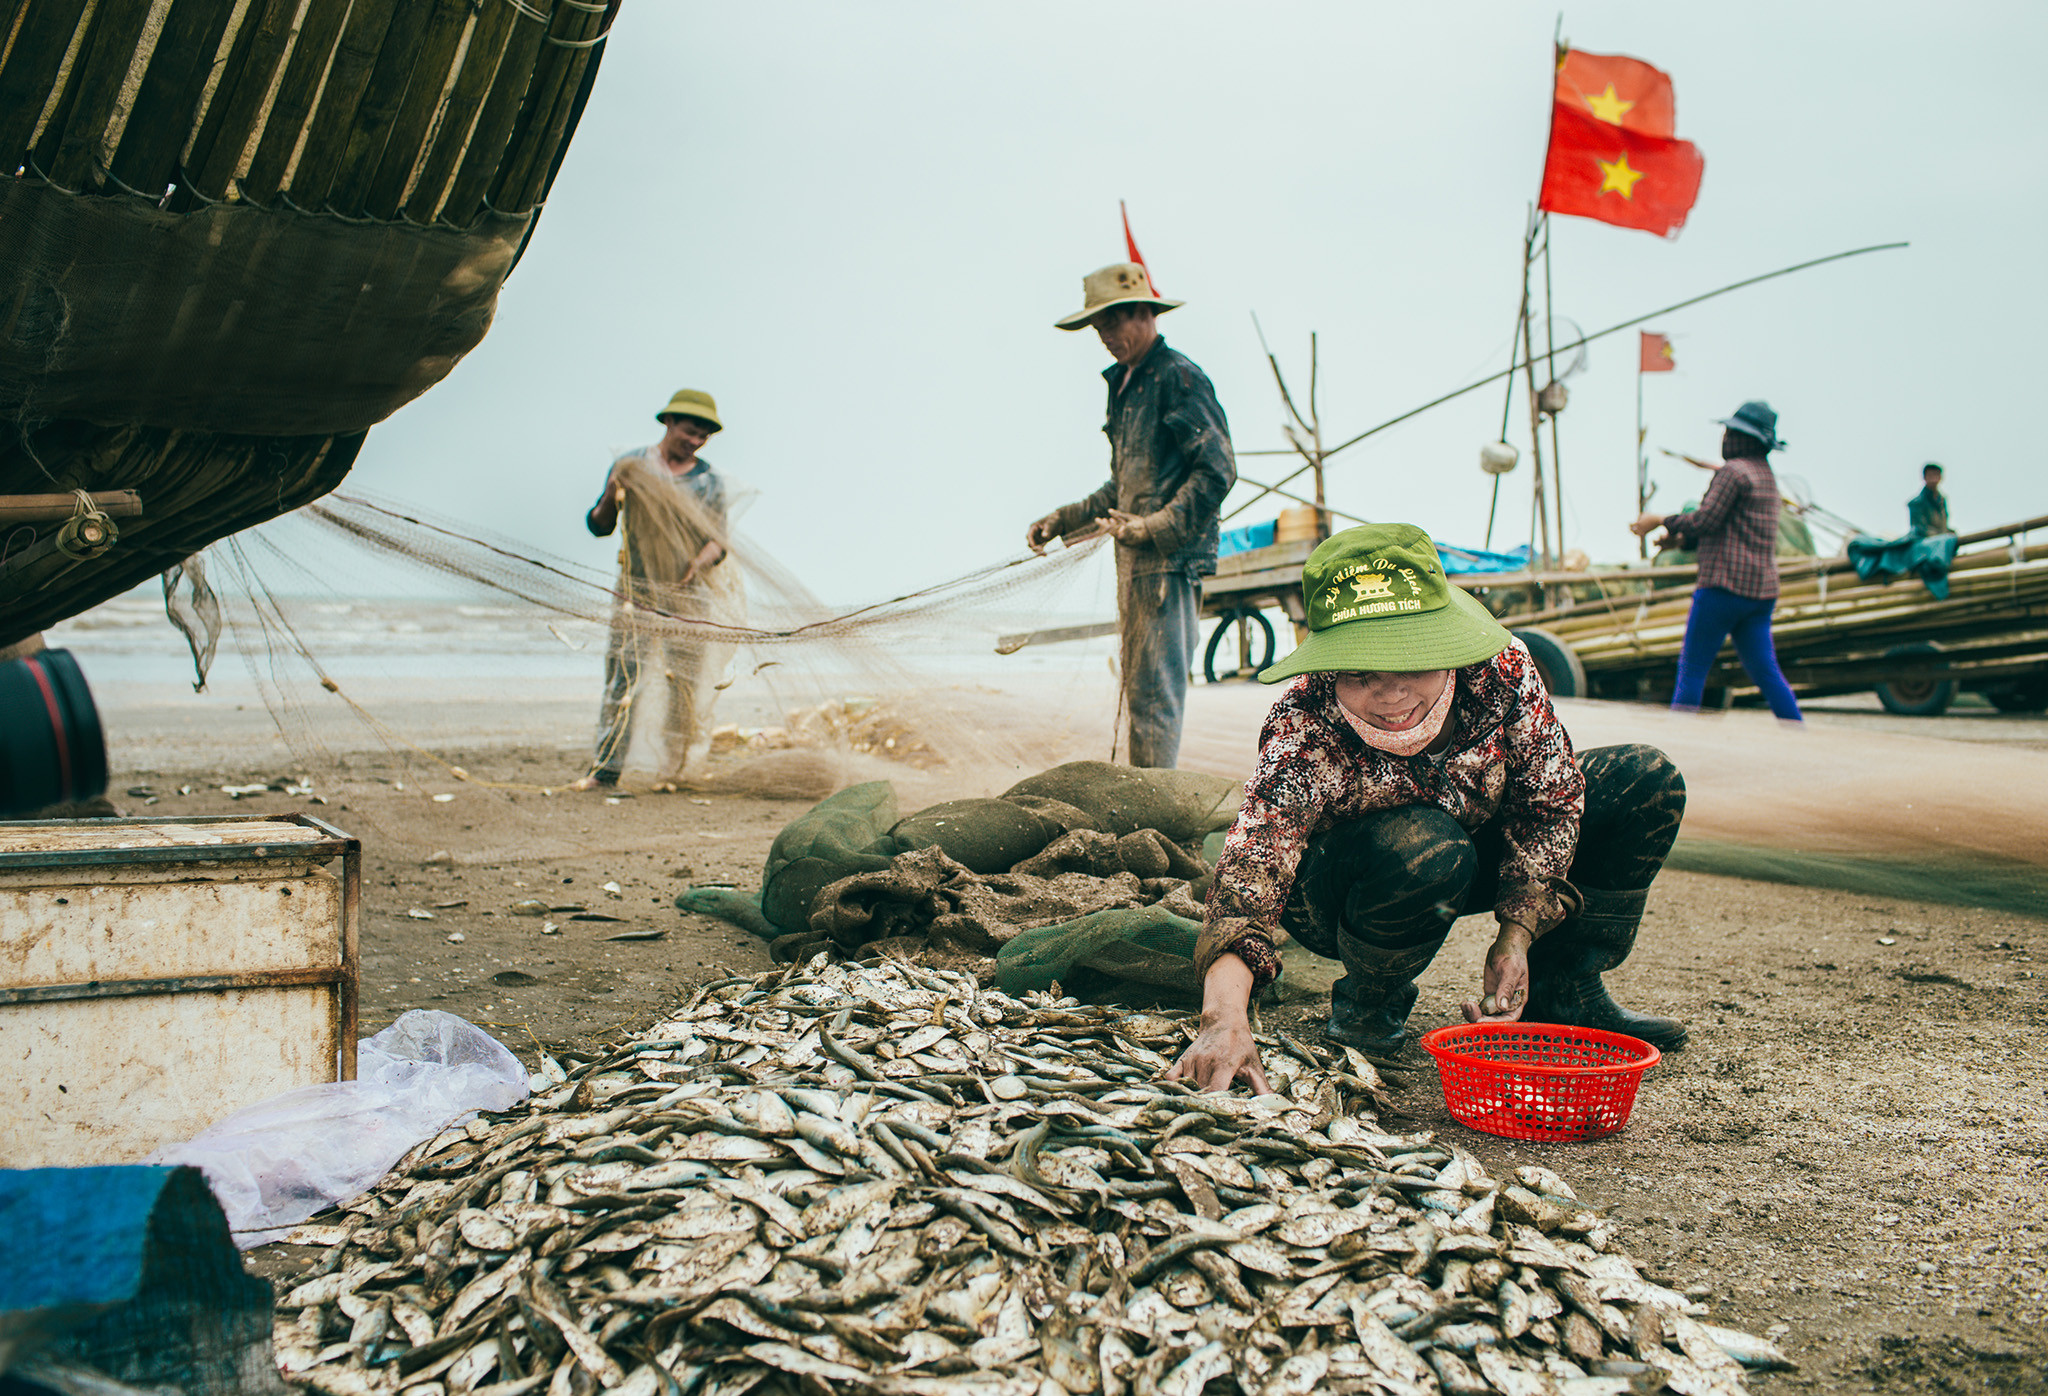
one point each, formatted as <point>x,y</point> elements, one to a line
<point>235,234</point>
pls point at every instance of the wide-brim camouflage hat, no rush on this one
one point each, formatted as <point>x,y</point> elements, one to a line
<point>1122,283</point>
<point>1378,602</point>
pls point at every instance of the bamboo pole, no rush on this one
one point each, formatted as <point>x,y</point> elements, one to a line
<point>10,18</point>
<point>485,150</point>
<point>259,49</point>
<point>32,70</point>
<point>406,55</point>
<point>97,75</point>
<point>557,82</point>
<point>355,56</point>
<point>53,508</point>
<point>166,104</point>
<point>1550,367</point>
<point>1542,516</point>
<point>1628,324</point>
<point>410,127</point>
<point>459,114</point>
<point>285,123</point>
<point>1642,465</point>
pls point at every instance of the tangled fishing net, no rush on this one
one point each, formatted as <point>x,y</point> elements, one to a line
<point>825,693</point>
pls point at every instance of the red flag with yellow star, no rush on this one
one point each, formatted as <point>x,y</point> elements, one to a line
<point>1621,91</point>
<point>1600,169</point>
<point>1657,356</point>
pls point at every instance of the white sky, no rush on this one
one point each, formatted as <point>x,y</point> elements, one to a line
<point>855,223</point>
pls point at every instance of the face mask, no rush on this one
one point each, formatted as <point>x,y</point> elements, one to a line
<point>1415,738</point>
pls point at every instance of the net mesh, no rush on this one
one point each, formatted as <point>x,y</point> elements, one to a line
<point>854,687</point>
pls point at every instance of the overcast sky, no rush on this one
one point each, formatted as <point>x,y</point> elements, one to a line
<point>855,225</point>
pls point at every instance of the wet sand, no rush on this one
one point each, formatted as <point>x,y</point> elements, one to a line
<point>1854,1146</point>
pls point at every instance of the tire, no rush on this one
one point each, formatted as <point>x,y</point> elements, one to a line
<point>2029,695</point>
<point>1227,625</point>
<point>1558,667</point>
<point>1922,697</point>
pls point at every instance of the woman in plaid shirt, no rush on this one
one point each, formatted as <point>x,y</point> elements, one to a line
<point>1413,773</point>
<point>1735,530</point>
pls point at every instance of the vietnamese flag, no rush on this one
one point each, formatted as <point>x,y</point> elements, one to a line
<point>1656,354</point>
<point>1621,91</point>
<point>1600,169</point>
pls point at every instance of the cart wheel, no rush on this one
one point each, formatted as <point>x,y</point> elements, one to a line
<point>1556,665</point>
<point>1240,622</point>
<point>2019,695</point>
<point>1916,697</point>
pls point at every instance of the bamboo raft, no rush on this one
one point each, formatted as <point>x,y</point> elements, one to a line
<point>235,234</point>
<point>1619,632</point>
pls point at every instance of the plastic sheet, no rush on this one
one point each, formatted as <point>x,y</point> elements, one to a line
<point>276,1163</point>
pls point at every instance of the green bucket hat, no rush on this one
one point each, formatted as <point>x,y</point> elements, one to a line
<point>1378,601</point>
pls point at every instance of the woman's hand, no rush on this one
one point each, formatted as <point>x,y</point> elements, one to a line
<point>1506,982</point>
<point>1646,524</point>
<point>1224,1053</point>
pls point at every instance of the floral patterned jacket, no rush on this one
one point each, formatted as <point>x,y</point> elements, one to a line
<point>1509,760</point>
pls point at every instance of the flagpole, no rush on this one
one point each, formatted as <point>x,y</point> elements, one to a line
<point>1558,49</point>
<point>1507,403</point>
<point>1642,461</point>
<point>1539,523</point>
<point>1550,338</point>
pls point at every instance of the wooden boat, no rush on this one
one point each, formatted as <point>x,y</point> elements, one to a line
<point>236,234</point>
<point>1615,632</point>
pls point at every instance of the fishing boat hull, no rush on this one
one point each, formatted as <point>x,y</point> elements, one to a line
<point>234,237</point>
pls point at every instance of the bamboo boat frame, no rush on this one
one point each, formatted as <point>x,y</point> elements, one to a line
<point>204,162</point>
<point>1834,633</point>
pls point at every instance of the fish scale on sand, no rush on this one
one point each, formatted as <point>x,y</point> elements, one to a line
<point>885,1178</point>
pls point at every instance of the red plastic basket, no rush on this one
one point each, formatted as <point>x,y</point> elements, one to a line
<point>1539,1080</point>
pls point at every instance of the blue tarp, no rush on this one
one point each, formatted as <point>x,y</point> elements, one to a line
<point>1457,560</point>
<point>1888,559</point>
<point>1243,540</point>
<point>1464,561</point>
<point>131,1272</point>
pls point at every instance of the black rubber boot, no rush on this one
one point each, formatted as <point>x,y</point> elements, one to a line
<point>1369,1006</point>
<point>1565,968</point>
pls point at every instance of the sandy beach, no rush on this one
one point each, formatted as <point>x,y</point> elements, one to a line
<point>1850,1155</point>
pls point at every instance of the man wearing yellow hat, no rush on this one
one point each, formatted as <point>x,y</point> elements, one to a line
<point>1170,464</point>
<point>673,508</point>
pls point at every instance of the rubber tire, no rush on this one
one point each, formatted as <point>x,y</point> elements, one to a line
<point>1560,669</point>
<point>2019,695</point>
<point>1929,698</point>
<point>1225,626</point>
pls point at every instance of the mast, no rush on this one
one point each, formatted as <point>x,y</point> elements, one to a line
<point>1642,462</point>
<point>1539,523</point>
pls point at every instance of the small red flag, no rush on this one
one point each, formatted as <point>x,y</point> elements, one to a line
<point>1131,245</point>
<point>1597,169</point>
<point>1618,90</point>
<point>1657,354</point>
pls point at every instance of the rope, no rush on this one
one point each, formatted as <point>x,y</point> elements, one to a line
<point>88,532</point>
<point>725,629</point>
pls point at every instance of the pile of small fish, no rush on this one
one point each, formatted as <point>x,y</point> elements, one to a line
<point>886,1178</point>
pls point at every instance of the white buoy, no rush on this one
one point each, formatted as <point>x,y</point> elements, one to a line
<point>1498,458</point>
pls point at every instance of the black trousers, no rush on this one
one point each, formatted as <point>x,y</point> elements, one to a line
<point>1399,877</point>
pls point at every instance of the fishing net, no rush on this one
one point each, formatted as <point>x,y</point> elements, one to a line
<point>1102,888</point>
<point>813,696</point>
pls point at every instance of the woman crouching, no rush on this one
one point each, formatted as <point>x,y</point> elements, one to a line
<point>1413,773</point>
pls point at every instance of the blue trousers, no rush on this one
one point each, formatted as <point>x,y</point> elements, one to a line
<point>1162,613</point>
<point>1717,614</point>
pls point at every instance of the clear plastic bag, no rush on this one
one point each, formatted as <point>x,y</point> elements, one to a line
<point>276,1163</point>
